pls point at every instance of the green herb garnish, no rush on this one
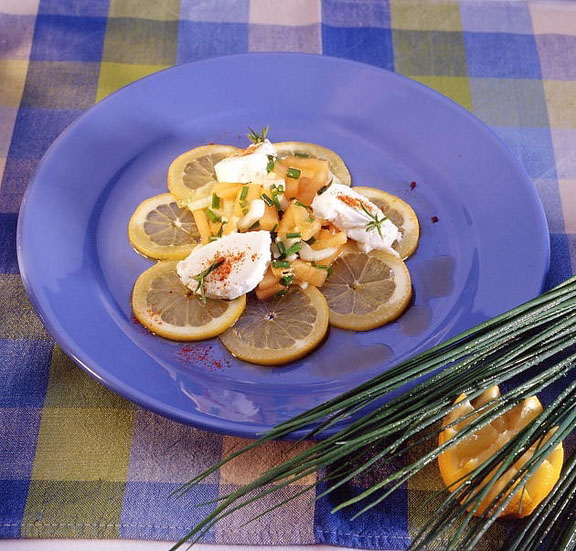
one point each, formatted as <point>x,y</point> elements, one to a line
<point>244,193</point>
<point>267,200</point>
<point>256,137</point>
<point>254,226</point>
<point>375,223</point>
<point>293,235</point>
<point>293,173</point>
<point>300,204</point>
<point>215,201</point>
<point>281,248</point>
<point>311,240</point>
<point>293,249</point>
<point>281,264</point>
<point>324,188</point>
<point>213,216</point>
<point>287,280</point>
<point>271,163</point>
<point>302,155</point>
<point>274,228</point>
<point>201,277</point>
<point>281,293</point>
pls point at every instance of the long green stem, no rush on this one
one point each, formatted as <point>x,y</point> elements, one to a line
<point>535,341</point>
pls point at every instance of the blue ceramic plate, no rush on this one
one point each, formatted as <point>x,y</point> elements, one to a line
<point>486,252</point>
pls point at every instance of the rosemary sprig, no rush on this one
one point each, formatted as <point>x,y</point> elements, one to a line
<point>201,277</point>
<point>256,137</point>
<point>375,222</point>
<point>529,348</point>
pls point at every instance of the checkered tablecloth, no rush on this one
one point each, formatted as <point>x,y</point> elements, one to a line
<point>77,461</point>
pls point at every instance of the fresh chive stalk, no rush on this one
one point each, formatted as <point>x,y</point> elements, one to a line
<point>526,349</point>
<point>293,249</point>
<point>213,216</point>
<point>293,173</point>
<point>267,200</point>
<point>302,155</point>
<point>243,193</point>
<point>281,248</point>
<point>271,163</point>
<point>294,235</point>
<point>286,280</point>
<point>215,201</point>
<point>281,264</point>
<point>254,226</point>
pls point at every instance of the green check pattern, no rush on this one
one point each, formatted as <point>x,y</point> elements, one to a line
<point>77,461</point>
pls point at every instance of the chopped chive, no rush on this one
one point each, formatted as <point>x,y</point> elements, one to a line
<point>293,173</point>
<point>329,269</point>
<point>302,155</point>
<point>267,200</point>
<point>300,204</point>
<point>293,249</point>
<point>311,240</point>
<point>215,201</point>
<point>245,210</point>
<point>310,218</point>
<point>324,188</point>
<point>276,201</point>
<point>271,163</point>
<point>281,293</point>
<point>213,238</point>
<point>213,216</point>
<point>281,264</point>
<point>219,234</point>
<point>286,280</point>
<point>281,188</point>
<point>254,226</point>
<point>243,193</point>
<point>274,228</point>
<point>293,235</point>
<point>281,248</point>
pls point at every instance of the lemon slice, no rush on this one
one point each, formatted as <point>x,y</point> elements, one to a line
<point>400,213</point>
<point>365,291</point>
<point>193,171</point>
<point>161,229</point>
<point>335,162</point>
<point>460,459</point>
<point>163,304</point>
<point>280,330</point>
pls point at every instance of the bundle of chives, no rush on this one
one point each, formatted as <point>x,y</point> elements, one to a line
<point>536,340</point>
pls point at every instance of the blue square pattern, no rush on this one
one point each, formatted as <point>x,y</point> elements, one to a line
<point>149,512</point>
<point>502,55</point>
<point>563,248</point>
<point>94,8</point>
<point>373,46</point>
<point>18,437</point>
<point>351,13</point>
<point>382,527</point>
<point>24,368</point>
<point>202,40</point>
<point>68,38</point>
<point>36,129</point>
<point>8,260</point>
<point>13,494</point>
<point>532,147</point>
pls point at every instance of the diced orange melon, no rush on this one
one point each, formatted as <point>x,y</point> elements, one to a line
<point>202,224</point>
<point>214,227</point>
<point>225,190</point>
<point>332,240</point>
<point>270,219</point>
<point>304,271</point>
<point>254,192</point>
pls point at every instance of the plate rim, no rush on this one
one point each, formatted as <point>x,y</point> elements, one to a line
<point>196,418</point>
